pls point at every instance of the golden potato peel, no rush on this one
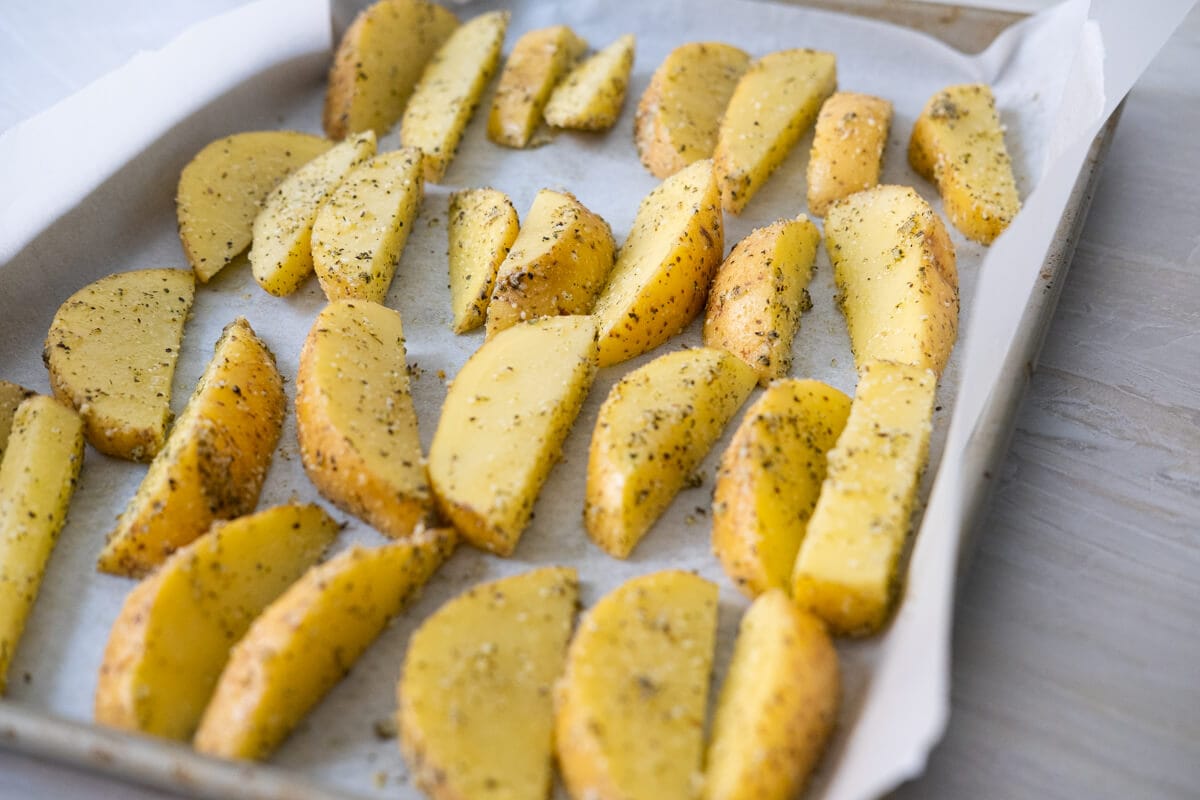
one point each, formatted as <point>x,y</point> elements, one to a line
<point>847,150</point>
<point>11,397</point>
<point>538,61</point>
<point>591,96</point>
<point>482,228</point>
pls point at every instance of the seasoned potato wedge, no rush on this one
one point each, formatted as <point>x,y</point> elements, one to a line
<point>450,88</point>
<point>557,265</point>
<point>476,716</point>
<point>503,424</point>
<point>847,570</point>
<point>654,429</point>
<point>896,275</point>
<point>355,418</point>
<point>483,226</point>
<point>775,103</point>
<point>537,63</point>
<point>361,230</point>
<point>309,638</point>
<point>591,96</point>
<point>37,478</point>
<point>847,150</point>
<point>214,462</point>
<point>378,62</point>
<point>629,711</point>
<point>224,187</point>
<point>172,637</point>
<point>958,143</point>
<point>11,397</point>
<point>777,707</point>
<point>758,294</point>
<point>769,479</point>
<point>111,352</point>
<point>281,253</point>
<point>660,281</point>
<point>680,112</point>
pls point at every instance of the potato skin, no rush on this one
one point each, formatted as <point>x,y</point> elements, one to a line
<point>847,151</point>
<point>11,397</point>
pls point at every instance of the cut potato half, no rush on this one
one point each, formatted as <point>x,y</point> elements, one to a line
<point>224,187</point>
<point>172,637</point>
<point>630,708</point>
<point>309,639</point>
<point>483,226</point>
<point>538,61</point>
<point>355,418</point>
<point>503,424</point>
<point>476,716</point>
<point>111,352</point>
<point>591,96</point>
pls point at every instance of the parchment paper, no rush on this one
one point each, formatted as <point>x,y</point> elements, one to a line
<point>107,205</point>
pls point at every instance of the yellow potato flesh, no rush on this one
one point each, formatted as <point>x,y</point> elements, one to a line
<point>590,97</point>
<point>537,63</point>
<point>476,713</point>
<point>483,226</point>
<point>847,151</point>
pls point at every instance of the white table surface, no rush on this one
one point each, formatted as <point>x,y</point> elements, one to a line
<point>1077,636</point>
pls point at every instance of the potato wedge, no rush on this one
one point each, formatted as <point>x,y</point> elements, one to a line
<point>769,479</point>
<point>847,569</point>
<point>629,710</point>
<point>476,715</point>
<point>537,63</point>
<point>281,252</point>
<point>591,96</point>
<point>654,429</point>
<point>660,281</point>
<point>309,638</point>
<point>37,478</point>
<point>360,232</point>
<point>172,637</point>
<point>450,88</point>
<point>774,104</point>
<point>11,397</point>
<point>224,187</point>
<point>503,424</point>
<point>847,151</point>
<point>355,418</point>
<point>680,112</point>
<point>758,294</point>
<point>214,462</point>
<point>378,63</point>
<point>896,274</point>
<point>557,266</point>
<point>483,226</point>
<point>958,143</point>
<point>778,705</point>
<point>111,352</point>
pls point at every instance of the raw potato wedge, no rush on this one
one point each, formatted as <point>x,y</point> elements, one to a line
<point>680,112</point>
<point>482,228</point>
<point>537,63</point>
<point>758,294</point>
<point>360,232</point>
<point>172,637</point>
<point>778,705</point>
<point>775,103</point>
<point>654,429</point>
<point>281,253</point>
<point>896,274</point>
<point>503,424</point>
<point>558,264</point>
<point>11,397</point>
<point>629,711</point>
<point>476,715</point>
<point>214,462</point>
<point>847,150</point>
<point>224,187</point>
<point>769,479</point>
<point>450,88</point>
<point>660,281</point>
<point>847,570</point>
<point>378,63</point>
<point>309,639</point>
<point>591,96</point>
<point>355,418</point>
<point>958,143</point>
<point>111,352</point>
<point>38,474</point>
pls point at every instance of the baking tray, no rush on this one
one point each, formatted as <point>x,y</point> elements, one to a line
<point>174,767</point>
